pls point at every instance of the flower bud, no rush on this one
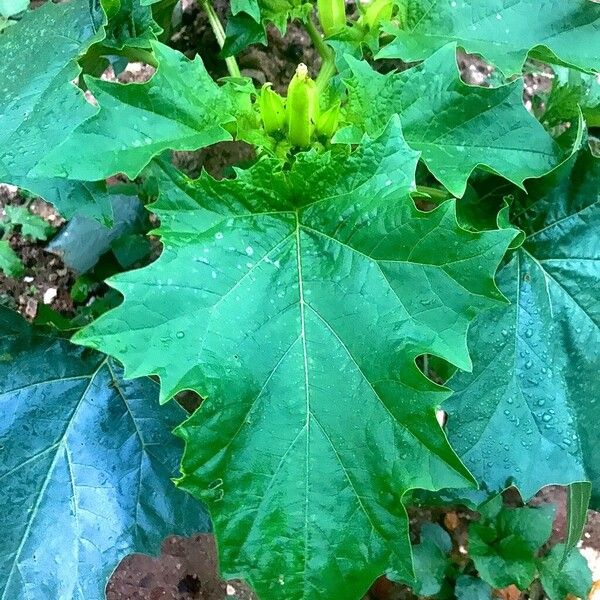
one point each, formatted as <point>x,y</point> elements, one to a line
<point>272,109</point>
<point>328,121</point>
<point>332,15</point>
<point>302,107</point>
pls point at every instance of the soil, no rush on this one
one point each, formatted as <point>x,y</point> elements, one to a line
<point>186,568</point>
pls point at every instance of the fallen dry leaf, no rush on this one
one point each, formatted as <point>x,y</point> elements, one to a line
<point>595,591</point>
<point>451,521</point>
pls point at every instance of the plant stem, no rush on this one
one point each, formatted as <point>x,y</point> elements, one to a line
<point>219,32</point>
<point>325,52</point>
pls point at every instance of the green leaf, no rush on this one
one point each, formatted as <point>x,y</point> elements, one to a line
<point>8,8</point>
<point>32,226</point>
<point>130,26</point>
<point>503,547</point>
<point>471,588</point>
<point>503,32</point>
<point>457,127</point>
<point>86,464</point>
<point>250,7</point>
<point>430,560</point>
<point>243,31</point>
<point>83,241</point>
<point>572,92</point>
<point>526,415</point>
<point>10,263</point>
<point>37,113</point>
<point>578,501</point>
<point>250,19</point>
<point>130,249</point>
<point>296,301</point>
<point>563,579</point>
<point>179,108</point>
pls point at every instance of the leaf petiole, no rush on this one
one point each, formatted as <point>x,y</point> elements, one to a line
<point>328,68</point>
<point>219,32</point>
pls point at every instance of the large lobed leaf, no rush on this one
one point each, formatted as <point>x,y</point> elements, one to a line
<point>40,106</point>
<point>527,414</point>
<point>85,471</point>
<point>296,303</point>
<point>179,108</point>
<point>502,31</point>
<point>457,127</point>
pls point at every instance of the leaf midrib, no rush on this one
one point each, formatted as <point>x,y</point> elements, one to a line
<point>46,481</point>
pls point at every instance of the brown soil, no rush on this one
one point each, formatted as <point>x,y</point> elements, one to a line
<point>44,271</point>
<point>185,570</point>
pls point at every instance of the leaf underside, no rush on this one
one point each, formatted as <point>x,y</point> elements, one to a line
<point>296,303</point>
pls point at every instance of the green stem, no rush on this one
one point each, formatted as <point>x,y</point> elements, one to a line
<point>219,32</point>
<point>325,52</point>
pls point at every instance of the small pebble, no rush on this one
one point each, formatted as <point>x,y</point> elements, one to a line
<point>50,295</point>
<point>31,308</point>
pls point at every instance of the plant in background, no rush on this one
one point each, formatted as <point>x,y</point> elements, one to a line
<point>30,226</point>
<point>314,300</point>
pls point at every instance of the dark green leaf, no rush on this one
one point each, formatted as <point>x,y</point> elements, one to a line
<point>457,127</point>
<point>503,545</point>
<point>179,108</point>
<point>471,588</point>
<point>565,579</point>
<point>430,559</point>
<point>243,31</point>
<point>526,415</point>
<point>130,26</point>
<point>86,464</point>
<point>296,302</point>
<point>83,241</point>
<point>251,17</point>
<point>130,249</point>
<point>503,32</point>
